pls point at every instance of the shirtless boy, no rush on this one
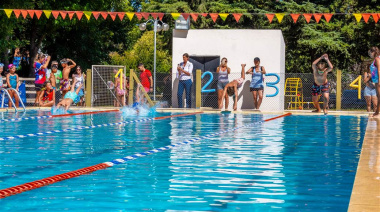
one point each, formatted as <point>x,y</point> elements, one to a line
<point>65,83</point>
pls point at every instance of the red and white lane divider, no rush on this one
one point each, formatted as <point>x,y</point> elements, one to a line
<point>68,175</point>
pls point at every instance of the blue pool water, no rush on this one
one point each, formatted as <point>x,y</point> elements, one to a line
<point>296,163</point>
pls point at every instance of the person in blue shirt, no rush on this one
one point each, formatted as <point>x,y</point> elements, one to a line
<point>257,82</point>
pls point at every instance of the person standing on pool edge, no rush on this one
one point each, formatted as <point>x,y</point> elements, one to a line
<point>374,53</point>
<point>321,85</point>
<point>232,88</point>
<point>257,82</point>
<point>223,71</point>
<point>185,70</point>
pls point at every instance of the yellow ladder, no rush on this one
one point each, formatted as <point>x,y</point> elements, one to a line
<point>293,94</point>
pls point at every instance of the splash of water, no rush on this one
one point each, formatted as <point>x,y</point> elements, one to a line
<point>138,110</point>
<point>57,111</point>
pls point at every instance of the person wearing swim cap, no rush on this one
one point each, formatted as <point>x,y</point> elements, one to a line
<point>13,82</point>
<point>70,96</point>
<point>232,88</point>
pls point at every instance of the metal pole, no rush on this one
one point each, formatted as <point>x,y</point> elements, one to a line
<point>154,63</point>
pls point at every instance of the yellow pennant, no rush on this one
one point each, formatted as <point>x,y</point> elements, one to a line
<point>8,12</point>
<point>87,14</point>
<point>280,16</point>
<point>130,15</point>
<point>223,16</point>
<point>121,78</point>
<point>358,17</point>
<point>47,13</point>
<point>175,15</point>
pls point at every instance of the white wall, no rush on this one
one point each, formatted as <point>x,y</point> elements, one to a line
<point>239,46</point>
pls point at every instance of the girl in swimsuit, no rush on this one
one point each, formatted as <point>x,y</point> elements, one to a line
<point>69,97</point>
<point>374,53</point>
<point>13,82</point>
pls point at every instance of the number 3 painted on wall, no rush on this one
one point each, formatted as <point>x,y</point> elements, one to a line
<point>204,90</point>
<point>273,84</point>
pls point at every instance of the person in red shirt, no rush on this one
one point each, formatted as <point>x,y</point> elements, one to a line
<point>146,81</point>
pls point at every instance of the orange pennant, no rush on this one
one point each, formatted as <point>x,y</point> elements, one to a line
<point>63,14</point>
<point>295,17</point>
<point>270,17</point>
<point>317,17</point>
<point>24,13</point>
<point>96,15</point>
<point>139,16</point>
<point>204,14</point>
<point>55,14</point>
<point>79,14</point>
<point>121,15</point>
<point>17,13</point>
<point>237,16</point>
<point>366,17</point>
<point>71,14</point>
<point>375,17</point>
<point>113,15</point>
<point>145,15</point>
<point>328,16</point>
<point>194,16</point>
<point>160,16</point>
<point>154,15</point>
<point>31,13</point>
<point>307,17</point>
<point>104,15</point>
<point>38,13</point>
<point>214,16</point>
<point>185,15</point>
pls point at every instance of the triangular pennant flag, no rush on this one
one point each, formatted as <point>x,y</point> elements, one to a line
<point>8,12</point>
<point>96,15</point>
<point>280,16</point>
<point>71,14</point>
<point>63,14</point>
<point>31,13</point>
<point>175,15</point>
<point>121,15</point>
<point>270,17</point>
<point>38,13</point>
<point>237,16</point>
<point>79,14</point>
<point>55,14</point>
<point>24,13</point>
<point>47,13</point>
<point>307,17</point>
<point>130,15</point>
<point>317,17</point>
<point>104,15</point>
<point>185,15</point>
<point>160,16</point>
<point>375,17</point>
<point>328,16</point>
<point>139,16</point>
<point>204,14</point>
<point>223,16</point>
<point>366,17</point>
<point>295,17</point>
<point>113,15</point>
<point>87,14</point>
<point>17,13</point>
<point>194,16</point>
<point>154,15</point>
<point>145,15</point>
<point>214,16</point>
<point>358,17</point>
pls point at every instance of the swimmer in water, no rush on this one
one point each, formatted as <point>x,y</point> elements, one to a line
<point>70,96</point>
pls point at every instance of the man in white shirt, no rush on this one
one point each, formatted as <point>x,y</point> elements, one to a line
<point>185,70</point>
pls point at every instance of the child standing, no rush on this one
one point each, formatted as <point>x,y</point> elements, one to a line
<point>12,82</point>
<point>65,83</point>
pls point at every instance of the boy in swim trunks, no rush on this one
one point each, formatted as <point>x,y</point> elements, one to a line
<point>321,85</point>
<point>232,88</point>
<point>65,83</point>
<point>70,96</point>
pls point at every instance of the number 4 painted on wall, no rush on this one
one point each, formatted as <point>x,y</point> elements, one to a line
<point>357,86</point>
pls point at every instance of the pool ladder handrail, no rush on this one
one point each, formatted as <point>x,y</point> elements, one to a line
<point>10,99</point>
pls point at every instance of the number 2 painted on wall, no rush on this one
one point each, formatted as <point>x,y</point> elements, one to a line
<point>273,84</point>
<point>204,90</point>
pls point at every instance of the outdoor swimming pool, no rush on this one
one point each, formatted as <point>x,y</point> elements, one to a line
<point>296,163</point>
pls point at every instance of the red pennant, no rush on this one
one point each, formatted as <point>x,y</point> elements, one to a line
<point>154,15</point>
<point>24,13</point>
<point>317,17</point>
<point>71,14</point>
<point>307,17</point>
<point>96,15</point>
<point>366,17</point>
<point>55,14</point>
<point>121,15</point>
<point>160,16</point>
<point>295,17</point>
<point>104,15</point>
<point>113,15</point>
<point>375,17</point>
<point>63,14</point>
<point>38,13</point>
<point>270,17</point>
<point>79,14</point>
<point>204,14</point>
<point>145,15</point>
<point>194,16</point>
<point>214,16</point>
<point>185,15</point>
<point>31,13</point>
<point>237,16</point>
<point>328,16</point>
<point>157,15</point>
<point>17,13</point>
<point>139,16</point>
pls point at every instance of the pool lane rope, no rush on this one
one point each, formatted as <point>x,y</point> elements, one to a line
<point>92,127</point>
<point>57,116</point>
<point>68,175</point>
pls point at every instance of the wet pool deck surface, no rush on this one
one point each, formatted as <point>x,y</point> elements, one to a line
<point>366,190</point>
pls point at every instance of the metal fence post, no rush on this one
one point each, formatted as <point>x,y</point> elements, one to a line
<point>338,89</point>
<point>198,88</point>
<point>88,88</point>
<point>131,89</point>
